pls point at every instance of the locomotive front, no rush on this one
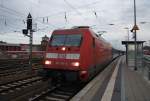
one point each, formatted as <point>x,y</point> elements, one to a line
<point>62,58</point>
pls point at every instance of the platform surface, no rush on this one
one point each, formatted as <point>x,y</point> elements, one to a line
<point>130,85</point>
<point>119,84</point>
<point>136,87</point>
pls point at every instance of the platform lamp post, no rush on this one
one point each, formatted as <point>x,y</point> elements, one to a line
<point>29,32</point>
<point>135,27</point>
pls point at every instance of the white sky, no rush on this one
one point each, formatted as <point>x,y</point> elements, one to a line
<point>78,12</point>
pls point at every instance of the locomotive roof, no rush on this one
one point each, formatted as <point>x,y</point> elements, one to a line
<point>80,27</point>
<point>75,27</point>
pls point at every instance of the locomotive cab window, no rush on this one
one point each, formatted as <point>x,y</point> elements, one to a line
<point>73,40</point>
<point>66,40</point>
<point>57,40</point>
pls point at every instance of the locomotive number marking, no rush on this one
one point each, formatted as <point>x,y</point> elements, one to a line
<point>63,56</point>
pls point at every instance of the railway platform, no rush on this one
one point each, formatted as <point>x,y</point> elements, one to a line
<point>117,82</point>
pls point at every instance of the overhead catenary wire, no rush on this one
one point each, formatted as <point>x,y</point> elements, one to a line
<point>46,19</point>
<point>46,23</point>
<point>68,11</point>
<point>12,10</point>
<point>7,19</point>
<point>12,27</point>
<point>16,13</point>
<point>4,18</point>
<point>76,10</point>
<point>73,8</point>
<point>8,24</point>
<point>19,16</point>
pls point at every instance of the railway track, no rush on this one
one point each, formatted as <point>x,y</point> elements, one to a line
<point>6,64</point>
<point>37,89</point>
<point>17,84</point>
<point>15,89</point>
<point>13,71</point>
<point>19,70</point>
<point>34,88</point>
<point>18,75</point>
<point>58,93</point>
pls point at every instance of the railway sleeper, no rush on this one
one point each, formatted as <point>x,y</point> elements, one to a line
<point>22,93</point>
<point>16,77</point>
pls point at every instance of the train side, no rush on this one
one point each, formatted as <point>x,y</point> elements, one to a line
<point>76,54</point>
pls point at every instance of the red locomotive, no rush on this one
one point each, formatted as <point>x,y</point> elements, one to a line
<point>76,54</point>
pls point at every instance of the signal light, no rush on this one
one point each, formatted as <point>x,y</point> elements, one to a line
<point>47,62</point>
<point>76,64</point>
<point>29,22</point>
<point>25,31</point>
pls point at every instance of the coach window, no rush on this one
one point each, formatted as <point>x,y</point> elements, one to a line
<point>93,42</point>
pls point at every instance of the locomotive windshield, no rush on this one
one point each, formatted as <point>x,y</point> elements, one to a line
<point>66,40</point>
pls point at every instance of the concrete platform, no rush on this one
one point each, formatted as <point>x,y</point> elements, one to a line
<point>136,87</point>
<point>96,88</point>
<point>116,83</point>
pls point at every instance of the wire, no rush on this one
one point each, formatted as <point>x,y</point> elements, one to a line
<point>10,13</point>
<point>47,24</point>
<point>16,13</point>
<point>90,4</point>
<point>12,10</point>
<point>8,17</point>
<point>72,7</point>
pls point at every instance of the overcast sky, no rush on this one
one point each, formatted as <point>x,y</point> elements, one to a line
<point>111,16</point>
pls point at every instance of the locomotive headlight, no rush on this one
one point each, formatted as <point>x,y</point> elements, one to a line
<point>76,64</point>
<point>63,48</point>
<point>47,62</point>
